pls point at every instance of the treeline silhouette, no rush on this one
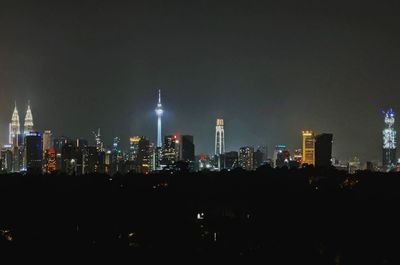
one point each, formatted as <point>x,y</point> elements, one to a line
<point>280,216</point>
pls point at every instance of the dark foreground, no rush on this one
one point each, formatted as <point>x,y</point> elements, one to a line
<point>304,216</point>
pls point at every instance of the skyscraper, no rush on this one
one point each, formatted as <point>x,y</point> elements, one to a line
<point>308,147</point>
<point>28,124</point>
<point>159,112</point>
<point>47,140</point>
<point>389,141</point>
<point>99,142</point>
<point>14,127</point>
<point>171,150</point>
<point>33,152</point>
<point>139,154</point>
<point>246,157</point>
<point>14,140</point>
<point>276,154</point>
<point>187,148</point>
<point>323,150</point>
<point>50,160</point>
<point>6,157</point>
<point>219,137</point>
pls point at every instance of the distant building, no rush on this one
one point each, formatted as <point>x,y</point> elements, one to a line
<point>219,141</point>
<point>15,140</point>
<point>71,158</point>
<point>170,152</point>
<point>33,152</point>
<point>159,112</point>
<point>259,157</point>
<point>6,156</point>
<point>389,141</point>
<point>117,158</point>
<point>298,156</point>
<point>81,143</point>
<point>47,140</point>
<point>230,160</point>
<point>219,137</point>
<point>203,162</point>
<point>28,123</point>
<point>50,160</point>
<point>140,154</point>
<point>323,150</point>
<point>246,157</point>
<point>58,144</point>
<point>308,148</point>
<point>278,150</point>
<point>282,159</point>
<point>187,148</point>
<point>354,165</point>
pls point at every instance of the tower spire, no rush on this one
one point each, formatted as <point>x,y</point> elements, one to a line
<point>159,112</point>
<point>28,124</point>
<point>14,125</point>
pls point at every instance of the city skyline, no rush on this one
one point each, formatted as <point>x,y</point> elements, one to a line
<point>219,143</point>
<point>269,69</point>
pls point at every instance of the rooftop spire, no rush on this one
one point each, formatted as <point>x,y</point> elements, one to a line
<point>159,96</point>
<point>28,124</point>
<point>15,126</point>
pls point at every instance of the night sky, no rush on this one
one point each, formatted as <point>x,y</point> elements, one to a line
<point>268,68</point>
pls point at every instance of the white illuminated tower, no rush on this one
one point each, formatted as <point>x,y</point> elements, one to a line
<point>14,127</point>
<point>28,124</point>
<point>389,140</point>
<point>219,137</point>
<point>99,142</point>
<point>159,112</point>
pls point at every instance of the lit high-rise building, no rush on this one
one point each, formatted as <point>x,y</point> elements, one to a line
<point>50,160</point>
<point>14,127</point>
<point>33,152</point>
<point>140,151</point>
<point>159,112</point>
<point>99,142</point>
<point>246,157</point>
<point>298,156</point>
<point>389,141</point>
<point>28,124</point>
<point>170,153</point>
<point>15,139</point>
<point>219,137</point>
<point>47,140</point>
<point>6,157</point>
<point>308,147</point>
<point>278,150</point>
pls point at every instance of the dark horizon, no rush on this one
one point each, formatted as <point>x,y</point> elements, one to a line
<point>269,69</point>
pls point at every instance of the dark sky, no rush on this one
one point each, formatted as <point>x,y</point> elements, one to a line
<point>269,68</point>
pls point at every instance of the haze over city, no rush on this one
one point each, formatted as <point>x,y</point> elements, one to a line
<point>269,69</point>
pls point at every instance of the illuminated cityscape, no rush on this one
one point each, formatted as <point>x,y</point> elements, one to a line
<point>112,131</point>
<point>143,156</point>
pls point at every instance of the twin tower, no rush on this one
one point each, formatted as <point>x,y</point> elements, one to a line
<point>15,124</point>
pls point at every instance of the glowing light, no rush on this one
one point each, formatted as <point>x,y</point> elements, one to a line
<point>389,134</point>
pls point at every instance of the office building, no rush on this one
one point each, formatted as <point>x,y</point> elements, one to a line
<point>308,147</point>
<point>389,141</point>
<point>246,157</point>
<point>33,152</point>
<point>323,150</point>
